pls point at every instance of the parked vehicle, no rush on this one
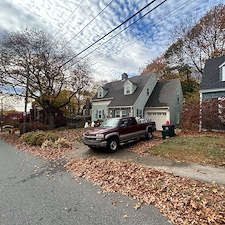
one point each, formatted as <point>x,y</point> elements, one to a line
<point>114,132</point>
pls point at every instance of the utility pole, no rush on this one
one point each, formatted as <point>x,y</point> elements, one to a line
<point>26,101</point>
<point>2,109</point>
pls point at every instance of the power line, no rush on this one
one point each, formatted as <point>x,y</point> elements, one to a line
<point>68,18</point>
<point>114,35</point>
<point>109,32</point>
<point>88,23</point>
<point>157,21</point>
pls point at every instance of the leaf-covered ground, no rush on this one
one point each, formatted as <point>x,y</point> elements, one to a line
<point>73,136</point>
<point>182,200</point>
<point>46,152</point>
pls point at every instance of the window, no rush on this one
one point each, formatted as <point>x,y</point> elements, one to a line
<point>132,121</point>
<point>124,113</point>
<point>100,94</point>
<point>223,73</point>
<point>140,113</point>
<point>100,114</point>
<point>117,113</point>
<point>148,92</point>
<point>178,98</point>
<point>124,123</point>
<point>128,91</point>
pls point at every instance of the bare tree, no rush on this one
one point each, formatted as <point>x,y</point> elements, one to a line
<point>195,44</point>
<point>33,65</point>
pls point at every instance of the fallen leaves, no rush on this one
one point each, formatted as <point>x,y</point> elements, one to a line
<point>46,152</point>
<point>182,200</point>
<point>141,146</point>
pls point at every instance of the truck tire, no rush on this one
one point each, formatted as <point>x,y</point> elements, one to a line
<point>112,144</point>
<point>149,135</point>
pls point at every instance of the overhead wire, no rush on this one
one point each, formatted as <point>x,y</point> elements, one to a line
<point>114,35</point>
<point>68,19</point>
<point>109,32</point>
<point>156,22</point>
<point>88,23</point>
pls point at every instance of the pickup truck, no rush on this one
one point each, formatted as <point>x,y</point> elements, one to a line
<point>114,132</point>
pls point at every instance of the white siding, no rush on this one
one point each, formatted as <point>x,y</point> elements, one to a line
<point>100,106</point>
<point>144,96</point>
<point>157,115</point>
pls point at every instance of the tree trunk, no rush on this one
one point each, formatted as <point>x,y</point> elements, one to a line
<point>51,121</point>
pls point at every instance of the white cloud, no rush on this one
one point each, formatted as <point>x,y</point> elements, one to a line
<point>127,52</point>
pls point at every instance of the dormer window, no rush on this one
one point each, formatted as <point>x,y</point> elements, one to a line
<point>128,90</point>
<point>129,87</point>
<point>100,94</point>
<point>222,72</point>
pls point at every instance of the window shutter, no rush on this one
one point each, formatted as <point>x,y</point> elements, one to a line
<point>103,114</point>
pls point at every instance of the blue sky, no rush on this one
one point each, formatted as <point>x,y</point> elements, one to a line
<point>128,52</point>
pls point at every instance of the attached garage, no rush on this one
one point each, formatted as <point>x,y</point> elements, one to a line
<point>158,116</point>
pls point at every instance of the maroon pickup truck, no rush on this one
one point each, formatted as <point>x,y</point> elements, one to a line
<point>118,131</point>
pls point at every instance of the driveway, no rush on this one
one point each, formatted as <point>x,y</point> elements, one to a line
<point>35,191</point>
<point>206,174</point>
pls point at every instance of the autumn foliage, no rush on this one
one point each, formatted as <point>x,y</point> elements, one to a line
<point>190,116</point>
<point>182,200</point>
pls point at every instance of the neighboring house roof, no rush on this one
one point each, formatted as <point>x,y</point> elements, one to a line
<point>211,74</point>
<point>163,93</point>
<point>116,91</point>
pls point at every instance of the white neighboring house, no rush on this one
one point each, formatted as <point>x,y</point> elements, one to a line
<point>140,96</point>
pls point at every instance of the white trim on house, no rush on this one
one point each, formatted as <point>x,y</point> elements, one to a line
<point>101,100</point>
<point>118,107</point>
<point>211,90</point>
<point>223,64</point>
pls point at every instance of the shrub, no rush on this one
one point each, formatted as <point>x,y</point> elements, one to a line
<point>38,137</point>
<point>14,123</point>
<point>33,126</point>
<point>62,143</point>
<point>47,144</point>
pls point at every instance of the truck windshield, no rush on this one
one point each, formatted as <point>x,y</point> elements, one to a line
<point>110,123</point>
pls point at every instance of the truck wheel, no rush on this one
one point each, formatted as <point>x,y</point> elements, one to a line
<point>149,135</point>
<point>112,145</point>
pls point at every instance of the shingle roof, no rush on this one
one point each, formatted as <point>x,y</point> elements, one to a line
<point>116,91</point>
<point>210,78</point>
<point>163,93</point>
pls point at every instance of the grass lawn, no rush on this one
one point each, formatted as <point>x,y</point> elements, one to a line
<point>198,149</point>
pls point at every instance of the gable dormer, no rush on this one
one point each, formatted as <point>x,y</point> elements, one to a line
<point>222,71</point>
<point>102,92</point>
<point>129,87</point>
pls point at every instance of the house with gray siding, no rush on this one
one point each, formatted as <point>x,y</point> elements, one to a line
<point>140,96</point>
<point>213,81</point>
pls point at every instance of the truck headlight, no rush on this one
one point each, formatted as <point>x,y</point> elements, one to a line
<point>100,137</point>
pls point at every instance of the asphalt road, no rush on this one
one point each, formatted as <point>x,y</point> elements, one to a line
<point>34,191</point>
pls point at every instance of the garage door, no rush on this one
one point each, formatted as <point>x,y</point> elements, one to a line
<point>159,118</point>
